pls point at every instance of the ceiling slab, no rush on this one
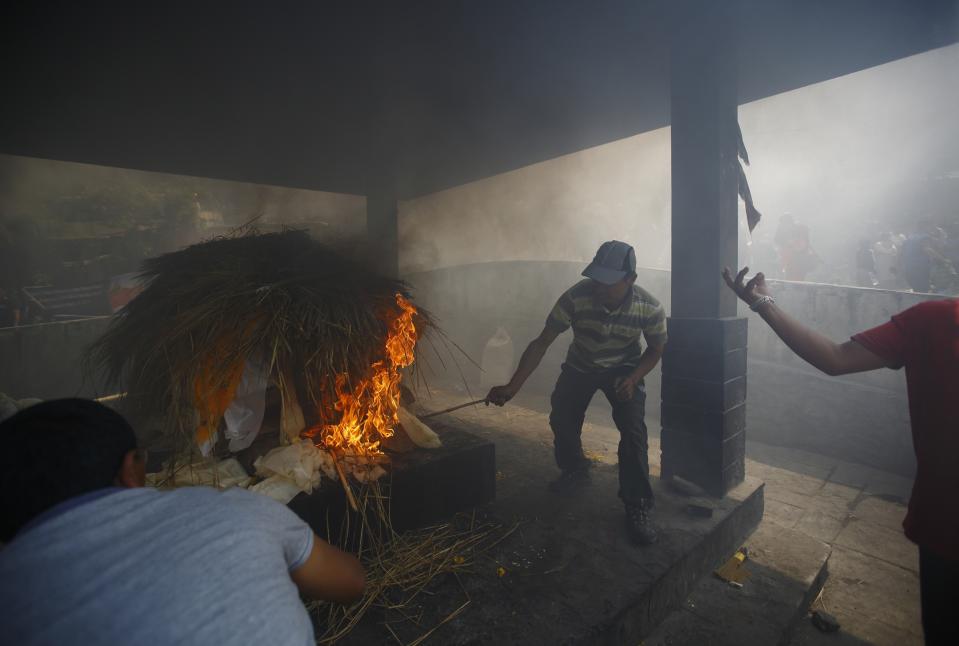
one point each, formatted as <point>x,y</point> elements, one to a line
<point>403,98</point>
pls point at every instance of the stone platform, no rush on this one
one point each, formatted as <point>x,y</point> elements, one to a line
<point>787,570</point>
<point>569,574</point>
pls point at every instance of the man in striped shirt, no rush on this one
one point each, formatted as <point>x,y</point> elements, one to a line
<point>609,315</point>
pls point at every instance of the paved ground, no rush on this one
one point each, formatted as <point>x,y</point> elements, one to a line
<point>561,569</point>
<point>873,586</point>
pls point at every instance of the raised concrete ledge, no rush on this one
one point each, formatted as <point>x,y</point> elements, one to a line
<point>735,517</point>
<point>787,571</point>
<point>571,576</point>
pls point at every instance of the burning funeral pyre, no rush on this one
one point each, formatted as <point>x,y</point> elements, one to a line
<point>221,321</point>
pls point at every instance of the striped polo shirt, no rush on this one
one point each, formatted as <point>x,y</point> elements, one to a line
<point>602,338</point>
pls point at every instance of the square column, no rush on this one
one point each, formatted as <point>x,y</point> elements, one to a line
<point>704,367</point>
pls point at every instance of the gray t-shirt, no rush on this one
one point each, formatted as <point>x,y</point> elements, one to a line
<point>141,566</point>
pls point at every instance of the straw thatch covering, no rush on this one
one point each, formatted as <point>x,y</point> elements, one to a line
<point>300,308</point>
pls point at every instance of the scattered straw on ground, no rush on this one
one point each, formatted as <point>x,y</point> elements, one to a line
<point>400,567</point>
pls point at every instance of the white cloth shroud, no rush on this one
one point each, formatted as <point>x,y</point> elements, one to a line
<point>244,415</point>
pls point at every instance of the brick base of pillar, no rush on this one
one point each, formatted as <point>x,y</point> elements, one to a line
<point>704,402</point>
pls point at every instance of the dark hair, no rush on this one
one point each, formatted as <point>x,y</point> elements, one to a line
<point>56,450</point>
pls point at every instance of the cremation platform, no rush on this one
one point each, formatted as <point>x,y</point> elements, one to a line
<point>567,574</point>
<point>424,485</point>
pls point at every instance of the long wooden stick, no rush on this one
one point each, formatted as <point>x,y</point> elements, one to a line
<point>452,408</point>
<point>110,398</point>
<point>346,485</point>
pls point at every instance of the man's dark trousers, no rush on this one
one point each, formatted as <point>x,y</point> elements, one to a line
<point>574,390</point>
<point>937,580</point>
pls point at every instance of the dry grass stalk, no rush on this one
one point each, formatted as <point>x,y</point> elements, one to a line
<point>400,567</point>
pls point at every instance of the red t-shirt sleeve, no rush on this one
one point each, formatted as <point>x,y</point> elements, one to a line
<point>905,337</point>
<point>888,341</point>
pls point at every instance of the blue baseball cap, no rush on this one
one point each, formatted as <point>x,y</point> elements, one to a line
<point>613,262</point>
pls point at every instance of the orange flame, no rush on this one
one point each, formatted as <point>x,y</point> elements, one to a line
<point>368,411</point>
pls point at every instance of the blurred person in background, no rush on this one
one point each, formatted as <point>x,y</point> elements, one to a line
<point>866,265</point>
<point>943,277</point>
<point>916,257</point>
<point>886,255</point>
<point>796,254</point>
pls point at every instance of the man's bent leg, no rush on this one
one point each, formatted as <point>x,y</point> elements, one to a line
<point>629,416</point>
<point>569,401</point>
<point>634,486</point>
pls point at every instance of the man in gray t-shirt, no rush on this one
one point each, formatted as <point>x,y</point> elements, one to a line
<point>120,564</point>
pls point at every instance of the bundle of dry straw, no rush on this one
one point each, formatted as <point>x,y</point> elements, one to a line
<point>300,308</point>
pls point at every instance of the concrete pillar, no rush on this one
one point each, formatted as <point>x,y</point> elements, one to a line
<point>704,368</point>
<point>383,233</point>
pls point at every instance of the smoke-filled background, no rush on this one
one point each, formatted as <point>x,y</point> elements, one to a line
<point>850,158</point>
<point>863,157</point>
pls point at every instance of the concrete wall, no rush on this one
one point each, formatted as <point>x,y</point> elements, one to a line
<point>862,418</point>
<point>44,360</point>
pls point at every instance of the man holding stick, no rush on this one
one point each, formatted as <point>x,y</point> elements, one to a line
<point>609,315</point>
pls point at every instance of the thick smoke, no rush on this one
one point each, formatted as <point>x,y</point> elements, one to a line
<point>859,155</point>
<point>851,157</point>
<point>560,209</point>
<point>57,198</point>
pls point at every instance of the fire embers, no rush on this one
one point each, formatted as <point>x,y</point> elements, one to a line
<point>368,409</point>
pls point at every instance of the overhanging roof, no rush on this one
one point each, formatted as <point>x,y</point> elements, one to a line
<point>410,97</point>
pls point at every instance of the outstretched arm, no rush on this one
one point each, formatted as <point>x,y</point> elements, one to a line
<point>815,348</point>
<point>531,358</point>
<point>330,574</point>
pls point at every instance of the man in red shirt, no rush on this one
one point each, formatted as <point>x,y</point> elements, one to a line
<point>925,340</point>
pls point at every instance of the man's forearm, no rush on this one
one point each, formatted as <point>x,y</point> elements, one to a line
<point>528,363</point>
<point>813,347</point>
<point>647,362</point>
